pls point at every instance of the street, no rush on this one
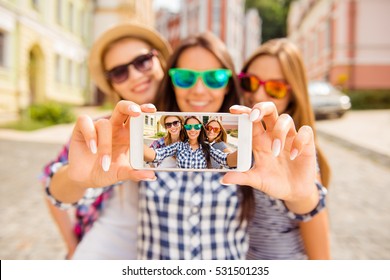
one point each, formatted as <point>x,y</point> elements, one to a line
<point>358,202</point>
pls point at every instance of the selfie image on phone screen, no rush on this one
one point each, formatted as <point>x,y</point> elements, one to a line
<point>191,141</point>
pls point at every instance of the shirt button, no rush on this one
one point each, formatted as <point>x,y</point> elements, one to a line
<point>195,210</point>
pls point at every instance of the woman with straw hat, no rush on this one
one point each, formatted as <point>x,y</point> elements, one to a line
<point>127,63</point>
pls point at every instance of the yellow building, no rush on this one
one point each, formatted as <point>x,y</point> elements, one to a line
<point>44,47</point>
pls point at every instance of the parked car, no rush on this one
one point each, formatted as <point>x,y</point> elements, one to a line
<point>328,101</point>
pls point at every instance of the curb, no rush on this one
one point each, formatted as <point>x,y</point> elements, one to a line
<point>366,152</point>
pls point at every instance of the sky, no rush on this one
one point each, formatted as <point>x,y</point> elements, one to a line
<point>172,5</point>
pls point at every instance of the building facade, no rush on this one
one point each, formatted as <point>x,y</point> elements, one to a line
<point>344,41</point>
<point>226,19</point>
<point>44,47</point>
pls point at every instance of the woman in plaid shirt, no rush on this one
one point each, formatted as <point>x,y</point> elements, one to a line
<point>197,215</point>
<point>194,152</point>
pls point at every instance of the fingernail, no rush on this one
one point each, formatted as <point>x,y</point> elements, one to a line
<point>276,145</point>
<point>236,107</point>
<point>106,162</point>
<point>255,114</point>
<point>92,146</point>
<point>293,154</point>
<point>150,106</point>
<point>150,179</point>
<point>135,108</point>
<point>226,184</point>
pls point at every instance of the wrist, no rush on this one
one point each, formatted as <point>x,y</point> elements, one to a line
<point>305,204</point>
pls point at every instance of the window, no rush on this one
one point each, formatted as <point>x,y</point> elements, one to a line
<point>2,49</point>
<point>58,68</point>
<point>35,4</point>
<point>59,11</point>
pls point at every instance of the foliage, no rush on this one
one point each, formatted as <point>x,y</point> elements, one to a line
<point>159,134</point>
<point>51,113</point>
<point>273,14</point>
<point>233,132</point>
<point>369,99</point>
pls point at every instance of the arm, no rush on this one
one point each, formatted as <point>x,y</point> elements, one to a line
<point>315,235</point>
<point>98,155</point>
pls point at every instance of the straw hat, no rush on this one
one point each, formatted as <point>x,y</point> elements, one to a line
<point>163,118</point>
<point>132,29</point>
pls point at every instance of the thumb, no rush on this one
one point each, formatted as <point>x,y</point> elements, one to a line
<point>238,178</point>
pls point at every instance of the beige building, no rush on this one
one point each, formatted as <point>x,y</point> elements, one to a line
<point>44,47</point>
<point>344,41</point>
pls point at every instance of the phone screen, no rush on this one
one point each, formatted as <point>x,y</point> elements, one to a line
<point>191,141</point>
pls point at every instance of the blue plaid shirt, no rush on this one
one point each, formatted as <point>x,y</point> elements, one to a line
<point>188,158</point>
<point>190,215</point>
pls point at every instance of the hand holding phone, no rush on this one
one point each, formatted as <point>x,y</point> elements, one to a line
<point>209,142</point>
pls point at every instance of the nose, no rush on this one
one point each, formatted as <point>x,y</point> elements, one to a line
<point>260,95</point>
<point>199,87</point>
<point>134,73</point>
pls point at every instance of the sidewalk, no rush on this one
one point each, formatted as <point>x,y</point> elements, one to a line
<point>367,132</point>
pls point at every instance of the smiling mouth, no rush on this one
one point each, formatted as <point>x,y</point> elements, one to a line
<point>198,103</point>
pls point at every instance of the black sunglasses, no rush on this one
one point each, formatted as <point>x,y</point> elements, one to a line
<point>170,124</point>
<point>142,63</point>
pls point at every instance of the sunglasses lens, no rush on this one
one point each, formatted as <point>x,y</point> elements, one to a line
<point>174,124</point>
<point>276,89</point>
<point>216,79</point>
<point>210,129</point>
<point>249,83</point>
<point>183,78</point>
<point>195,126</point>
<point>119,74</point>
<point>144,63</point>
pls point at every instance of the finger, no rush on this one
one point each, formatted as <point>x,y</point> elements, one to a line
<point>127,173</point>
<point>265,111</point>
<point>85,127</point>
<point>236,178</point>
<point>238,109</point>
<point>303,140</point>
<point>148,108</point>
<point>283,127</point>
<point>122,111</point>
<point>104,134</point>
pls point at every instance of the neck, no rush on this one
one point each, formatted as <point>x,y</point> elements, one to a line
<point>193,141</point>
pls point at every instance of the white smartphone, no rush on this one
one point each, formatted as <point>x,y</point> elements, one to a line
<point>151,127</point>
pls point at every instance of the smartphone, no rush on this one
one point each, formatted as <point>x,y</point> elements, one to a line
<point>147,128</point>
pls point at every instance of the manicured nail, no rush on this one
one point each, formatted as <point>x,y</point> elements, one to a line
<point>106,162</point>
<point>255,114</point>
<point>92,146</point>
<point>276,146</point>
<point>235,107</point>
<point>150,106</point>
<point>226,184</point>
<point>135,108</point>
<point>150,179</point>
<point>293,154</point>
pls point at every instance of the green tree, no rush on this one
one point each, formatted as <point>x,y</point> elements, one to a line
<point>274,16</point>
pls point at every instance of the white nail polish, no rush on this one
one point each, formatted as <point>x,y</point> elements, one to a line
<point>150,179</point>
<point>150,106</point>
<point>135,108</point>
<point>276,146</point>
<point>92,146</point>
<point>255,114</point>
<point>225,184</point>
<point>235,107</point>
<point>106,162</point>
<point>293,154</point>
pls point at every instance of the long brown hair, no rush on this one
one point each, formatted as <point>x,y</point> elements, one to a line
<point>294,72</point>
<point>166,99</point>
<point>202,137</point>
<point>222,135</point>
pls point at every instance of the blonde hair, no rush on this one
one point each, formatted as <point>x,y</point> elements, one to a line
<point>222,135</point>
<point>168,137</point>
<point>294,72</point>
